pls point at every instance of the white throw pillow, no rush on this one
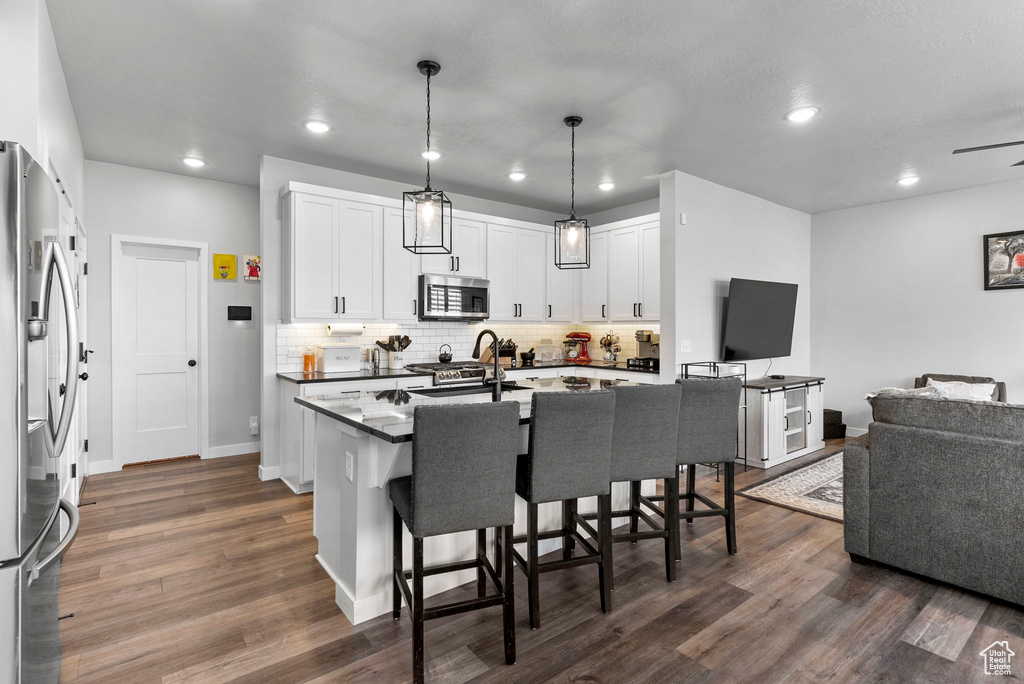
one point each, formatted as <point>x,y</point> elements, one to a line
<point>976,391</point>
<point>919,391</point>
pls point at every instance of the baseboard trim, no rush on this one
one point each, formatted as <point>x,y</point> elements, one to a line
<point>100,467</point>
<point>270,473</point>
<point>855,432</point>
<point>233,450</point>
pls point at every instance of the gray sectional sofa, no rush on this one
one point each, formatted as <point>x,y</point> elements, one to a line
<point>936,487</point>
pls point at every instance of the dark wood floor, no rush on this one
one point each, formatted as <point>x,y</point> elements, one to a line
<point>198,572</point>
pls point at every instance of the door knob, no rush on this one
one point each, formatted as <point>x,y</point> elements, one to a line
<point>83,377</point>
<point>191,363</point>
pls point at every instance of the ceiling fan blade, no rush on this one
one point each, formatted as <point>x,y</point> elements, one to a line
<point>1020,163</point>
<point>988,147</point>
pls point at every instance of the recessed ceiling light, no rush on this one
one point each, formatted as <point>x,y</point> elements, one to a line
<point>606,186</point>
<point>908,180</point>
<point>317,127</point>
<point>194,162</point>
<point>517,175</point>
<point>801,115</point>
<point>431,155</point>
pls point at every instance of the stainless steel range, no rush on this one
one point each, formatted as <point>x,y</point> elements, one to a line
<point>456,373</point>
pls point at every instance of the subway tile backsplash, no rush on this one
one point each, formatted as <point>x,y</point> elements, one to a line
<point>427,338</point>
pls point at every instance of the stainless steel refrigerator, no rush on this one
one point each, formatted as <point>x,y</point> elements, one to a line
<point>37,401</point>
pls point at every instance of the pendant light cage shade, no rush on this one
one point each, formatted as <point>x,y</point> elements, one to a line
<point>426,222</point>
<point>427,213</point>
<point>572,235</point>
<point>572,243</point>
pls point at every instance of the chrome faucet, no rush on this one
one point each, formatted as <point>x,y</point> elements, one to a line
<point>496,396</point>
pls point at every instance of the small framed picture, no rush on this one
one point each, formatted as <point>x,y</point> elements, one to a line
<point>1004,261</point>
<point>224,266</point>
<point>252,268</point>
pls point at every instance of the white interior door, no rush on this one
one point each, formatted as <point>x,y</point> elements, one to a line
<point>159,352</point>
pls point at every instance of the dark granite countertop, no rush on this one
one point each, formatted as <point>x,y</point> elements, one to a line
<point>365,374</point>
<point>388,414</point>
<point>789,381</point>
<point>605,365</point>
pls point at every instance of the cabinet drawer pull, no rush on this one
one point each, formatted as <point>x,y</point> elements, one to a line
<point>342,305</point>
<point>451,264</point>
<point>458,264</point>
<point>808,417</point>
<point>640,309</point>
<point>549,311</point>
<point>335,305</point>
<point>602,311</point>
<point>414,307</point>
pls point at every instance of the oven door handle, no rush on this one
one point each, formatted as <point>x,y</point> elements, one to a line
<point>73,519</point>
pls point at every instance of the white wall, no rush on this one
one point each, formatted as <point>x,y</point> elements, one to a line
<point>129,201</point>
<point>728,234</point>
<point>35,109</point>
<point>275,173</point>
<point>898,292</point>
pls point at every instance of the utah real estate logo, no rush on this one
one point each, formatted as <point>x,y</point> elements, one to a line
<point>997,658</point>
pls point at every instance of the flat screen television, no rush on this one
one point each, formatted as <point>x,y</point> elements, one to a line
<point>758,320</point>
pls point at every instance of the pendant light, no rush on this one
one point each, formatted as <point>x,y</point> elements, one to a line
<point>572,235</point>
<point>427,213</point>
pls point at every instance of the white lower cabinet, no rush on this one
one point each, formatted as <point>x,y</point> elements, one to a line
<point>784,421</point>
<point>298,443</point>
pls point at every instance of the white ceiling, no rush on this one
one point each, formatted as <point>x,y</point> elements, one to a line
<point>701,86</point>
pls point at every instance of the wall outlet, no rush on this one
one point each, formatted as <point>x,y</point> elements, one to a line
<point>349,466</point>
<point>685,346</point>
<point>254,425</point>
<point>294,353</point>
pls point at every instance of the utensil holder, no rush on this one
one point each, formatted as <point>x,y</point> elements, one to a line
<point>397,359</point>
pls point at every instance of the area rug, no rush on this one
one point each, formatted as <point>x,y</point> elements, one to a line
<point>815,488</point>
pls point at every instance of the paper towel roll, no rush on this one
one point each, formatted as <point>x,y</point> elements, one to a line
<point>344,329</point>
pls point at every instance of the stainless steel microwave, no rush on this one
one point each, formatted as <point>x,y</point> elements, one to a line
<point>454,299</point>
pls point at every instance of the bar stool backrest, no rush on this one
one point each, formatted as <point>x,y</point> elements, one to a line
<point>708,420</point>
<point>570,444</point>
<point>645,432</point>
<point>464,467</point>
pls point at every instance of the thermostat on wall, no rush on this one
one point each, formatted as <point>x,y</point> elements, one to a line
<point>239,313</point>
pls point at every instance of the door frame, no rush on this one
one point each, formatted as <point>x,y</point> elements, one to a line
<point>117,246</point>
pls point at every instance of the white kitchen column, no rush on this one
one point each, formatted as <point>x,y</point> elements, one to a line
<point>671,205</point>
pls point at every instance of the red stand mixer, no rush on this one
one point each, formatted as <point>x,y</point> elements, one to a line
<point>576,348</point>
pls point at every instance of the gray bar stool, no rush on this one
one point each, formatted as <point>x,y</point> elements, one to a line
<point>644,445</point>
<point>708,435</point>
<point>463,478</point>
<point>569,458</point>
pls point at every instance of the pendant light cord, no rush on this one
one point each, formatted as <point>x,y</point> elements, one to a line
<point>428,130</point>
<point>572,184</point>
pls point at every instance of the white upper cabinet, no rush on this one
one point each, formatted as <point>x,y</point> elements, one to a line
<point>401,269</point>
<point>501,267</point>
<point>332,257</point>
<point>650,272</point>
<point>311,244</point>
<point>360,261</point>
<point>562,285</point>
<point>469,252</point>
<point>594,281</point>
<point>634,273</point>
<point>623,274</point>
<point>531,250</point>
<point>515,268</point>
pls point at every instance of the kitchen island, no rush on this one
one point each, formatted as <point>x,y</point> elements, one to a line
<point>363,440</point>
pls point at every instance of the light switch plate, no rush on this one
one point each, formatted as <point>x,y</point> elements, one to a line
<point>685,346</point>
<point>349,466</point>
<point>682,219</point>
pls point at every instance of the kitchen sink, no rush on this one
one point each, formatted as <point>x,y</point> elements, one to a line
<point>464,390</point>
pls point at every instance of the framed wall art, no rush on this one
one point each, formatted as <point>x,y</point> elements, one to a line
<point>1004,261</point>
